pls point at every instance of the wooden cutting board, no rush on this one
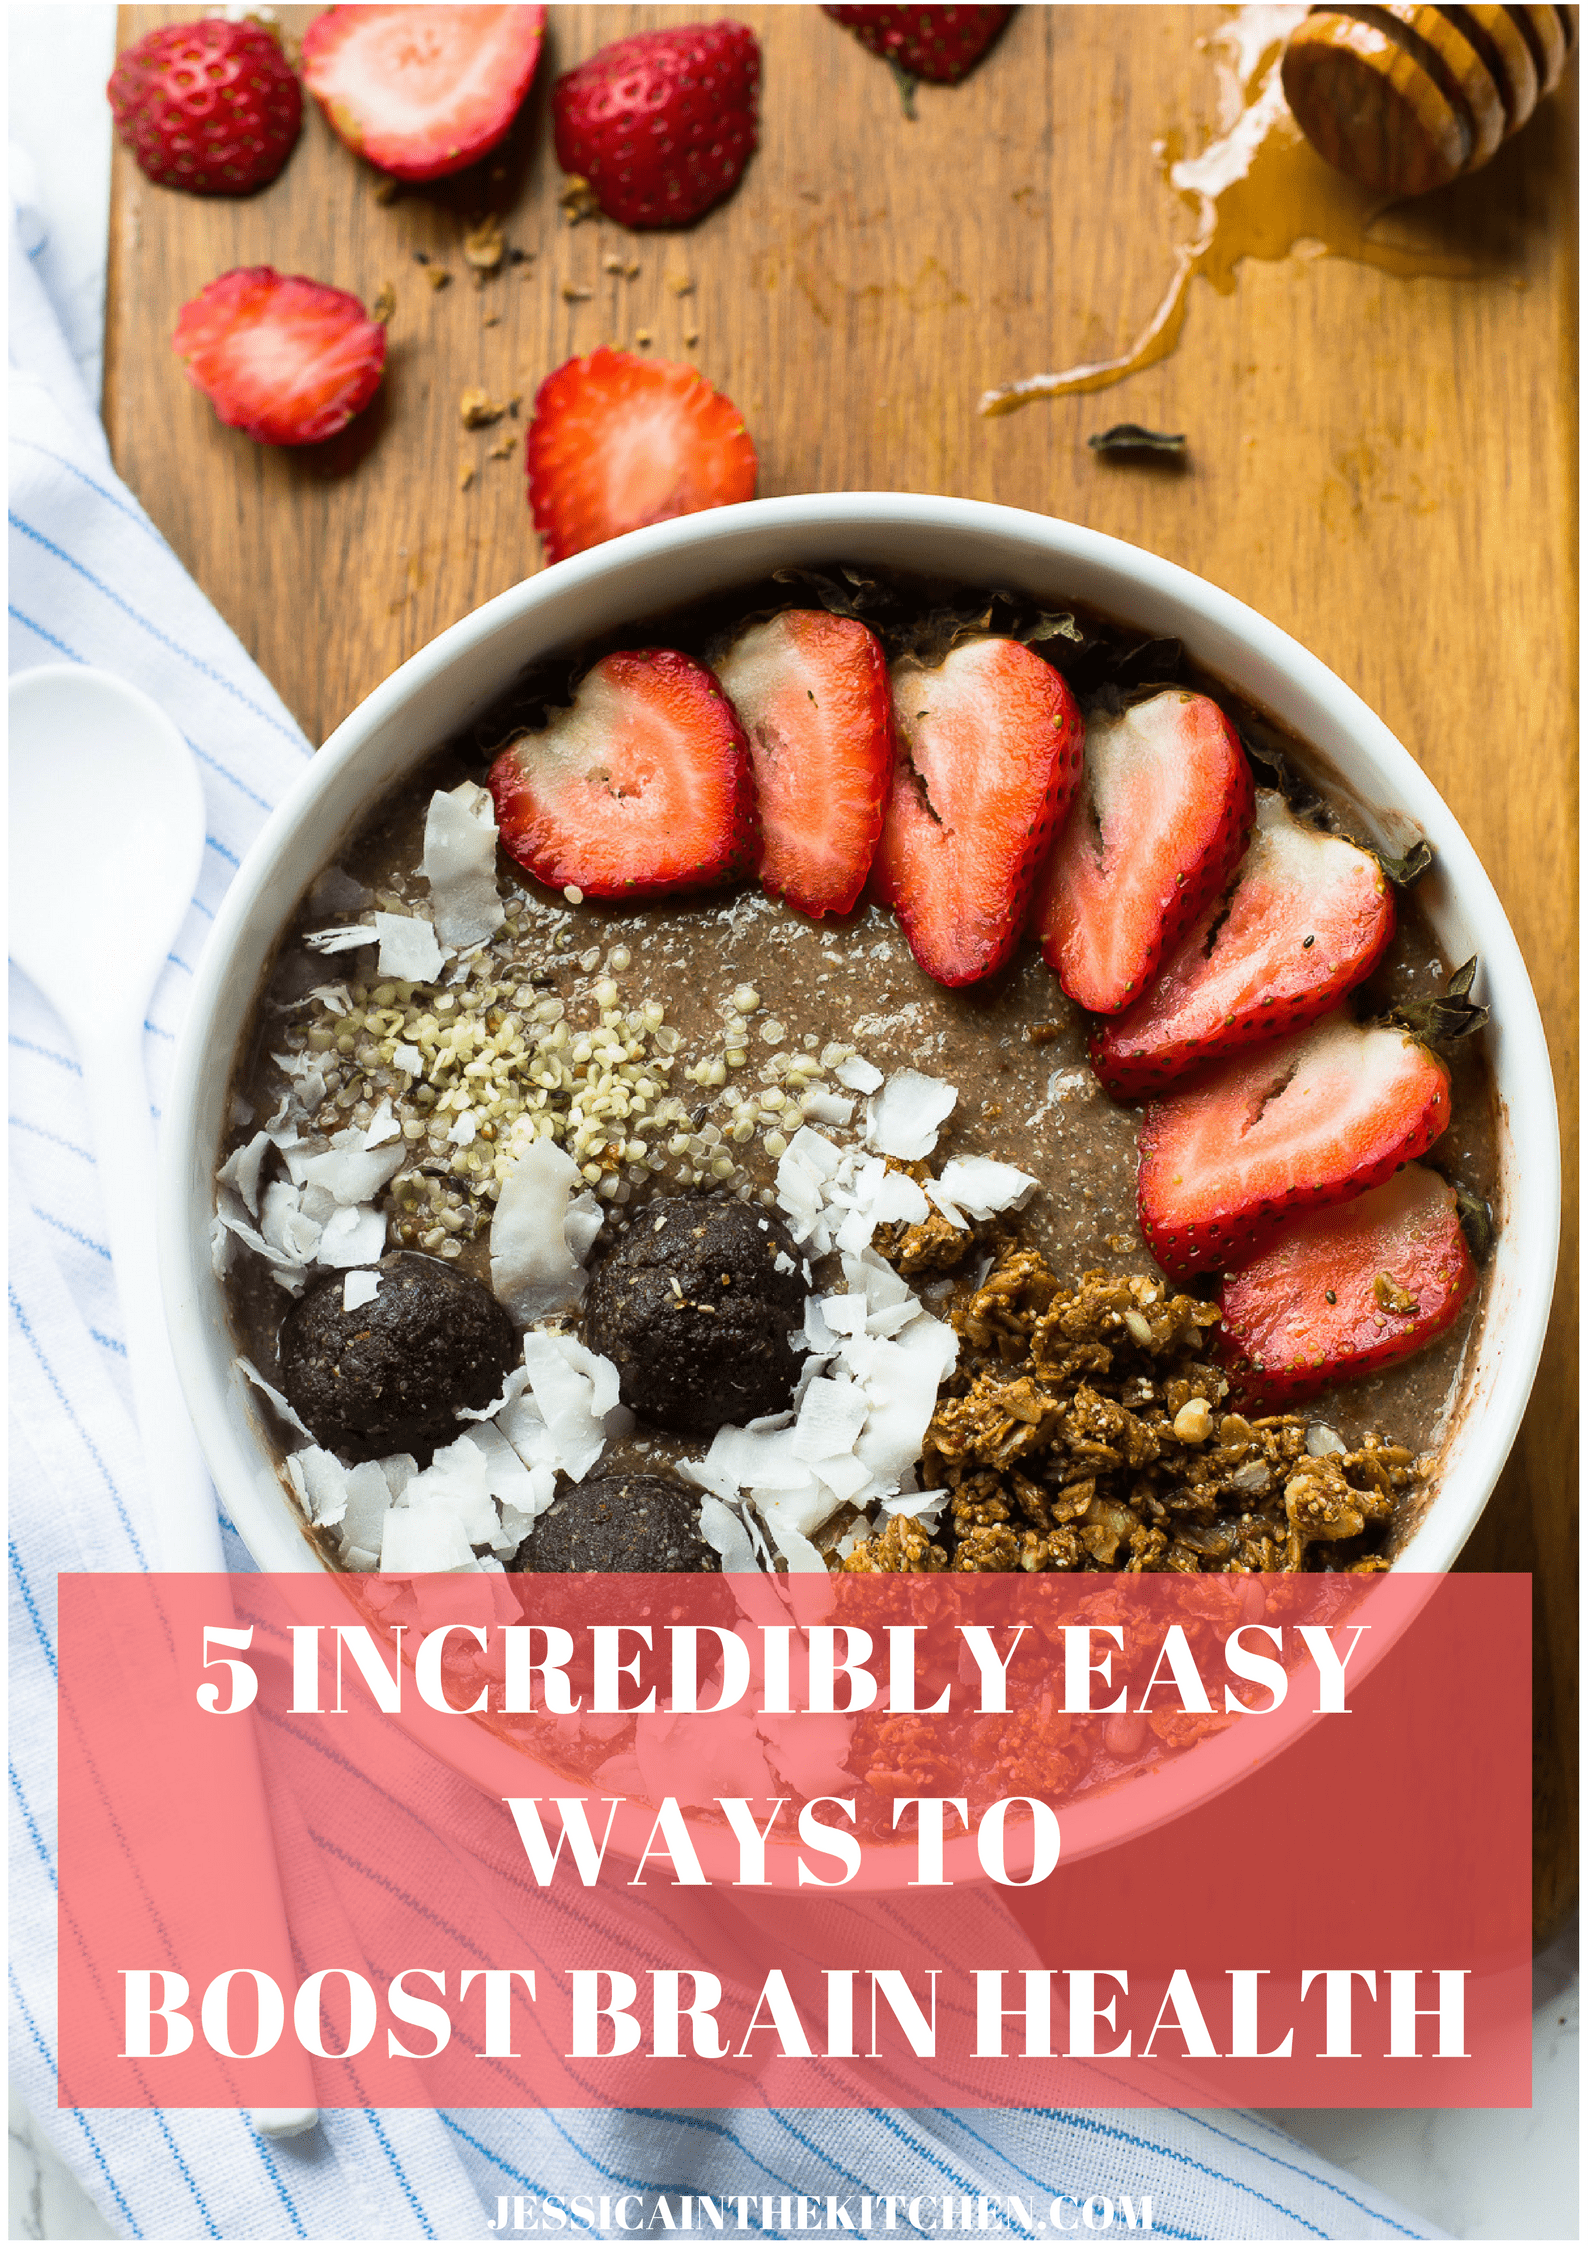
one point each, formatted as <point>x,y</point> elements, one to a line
<point>1385,466</point>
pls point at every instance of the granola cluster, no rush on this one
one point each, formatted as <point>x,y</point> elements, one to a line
<point>1085,1430</point>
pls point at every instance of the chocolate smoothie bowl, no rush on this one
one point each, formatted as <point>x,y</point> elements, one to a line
<point>571,1179</point>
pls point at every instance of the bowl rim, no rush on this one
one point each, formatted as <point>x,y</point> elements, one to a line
<point>1274,669</point>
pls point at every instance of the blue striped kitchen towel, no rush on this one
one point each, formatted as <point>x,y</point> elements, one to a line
<point>92,580</point>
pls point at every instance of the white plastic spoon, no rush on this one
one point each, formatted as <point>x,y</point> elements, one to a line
<point>106,839</point>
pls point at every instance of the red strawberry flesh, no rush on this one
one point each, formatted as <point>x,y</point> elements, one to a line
<point>422,91</point>
<point>210,106</point>
<point>813,696</point>
<point>661,125</point>
<point>1160,821</point>
<point>929,42</point>
<point>1315,1119</point>
<point>988,752</point>
<point>1345,1291</point>
<point>280,356</point>
<point>618,441</point>
<point>640,788</point>
<point>1308,918</point>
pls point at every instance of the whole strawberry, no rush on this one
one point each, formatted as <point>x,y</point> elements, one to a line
<point>663,124</point>
<point>209,106</point>
<point>940,44</point>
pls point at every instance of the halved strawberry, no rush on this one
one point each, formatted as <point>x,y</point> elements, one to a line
<point>813,696</point>
<point>618,441</point>
<point>640,787</point>
<point>661,125</point>
<point>1343,1292</point>
<point>1315,1119</point>
<point>988,752</point>
<point>1308,917</point>
<point>422,92</point>
<point>280,356</point>
<point>1159,821</point>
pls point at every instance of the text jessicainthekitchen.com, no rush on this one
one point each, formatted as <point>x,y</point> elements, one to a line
<point>785,2214</point>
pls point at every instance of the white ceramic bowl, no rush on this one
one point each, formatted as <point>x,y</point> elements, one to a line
<point>462,672</point>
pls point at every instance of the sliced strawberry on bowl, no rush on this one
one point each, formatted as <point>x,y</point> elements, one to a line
<point>212,106</point>
<point>941,44</point>
<point>813,695</point>
<point>987,756</point>
<point>1313,1120</point>
<point>617,441</point>
<point>1346,1291</point>
<point>639,788</point>
<point>422,91</point>
<point>280,356</point>
<point>1308,917</point>
<point>1160,820</point>
<point>660,126</point>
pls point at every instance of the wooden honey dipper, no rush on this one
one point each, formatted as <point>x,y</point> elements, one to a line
<point>1409,98</point>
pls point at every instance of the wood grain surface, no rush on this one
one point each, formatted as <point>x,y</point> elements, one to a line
<point>1384,466</point>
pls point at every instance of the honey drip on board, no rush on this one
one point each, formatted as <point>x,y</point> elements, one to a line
<point>1259,189</point>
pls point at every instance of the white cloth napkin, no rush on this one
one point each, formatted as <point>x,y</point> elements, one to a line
<point>92,580</point>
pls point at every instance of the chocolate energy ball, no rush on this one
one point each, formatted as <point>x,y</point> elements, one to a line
<point>694,1306</point>
<point>390,1376</point>
<point>620,1524</point>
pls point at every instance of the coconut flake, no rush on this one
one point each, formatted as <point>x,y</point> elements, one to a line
<point>464,1129</point>
<point>828,1107</point>
<point>984,1188</point>
<point>423,1540</point>
<point>340,939</point>
<point>409,952</point>
<point>571,1397</point>
<point>409,1059</point>
<point>350,1171</point>
<point>831,1417</point>
<point>533,1269</point>
<point>904,1118</point>
<point>358,1289</point>
<point>241,1169</point>
<point>291,1234</point>
<point>728,1537</point>
<point>859,1075</point>
<point>384,1126</point>
<point>458,1481</point>
<point>460,865</point>
<point>581,1227</point>
<point>353,1236</point>
<point>277,1401</point>
<point>324,1485</point>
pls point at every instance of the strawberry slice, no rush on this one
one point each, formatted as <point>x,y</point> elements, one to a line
<point>422,92</point>
<point>618,441</point>
<point>640,787</point>
<point>1159,823</point>
<point>1346,1291</point>
<point>813,696</point>
<point>280,356</point>
<point>1315,1119</point>
<point>987,755</point>
<point>1308,917</point>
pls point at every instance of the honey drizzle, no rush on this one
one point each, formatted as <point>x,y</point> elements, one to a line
<point>1259,190</point>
